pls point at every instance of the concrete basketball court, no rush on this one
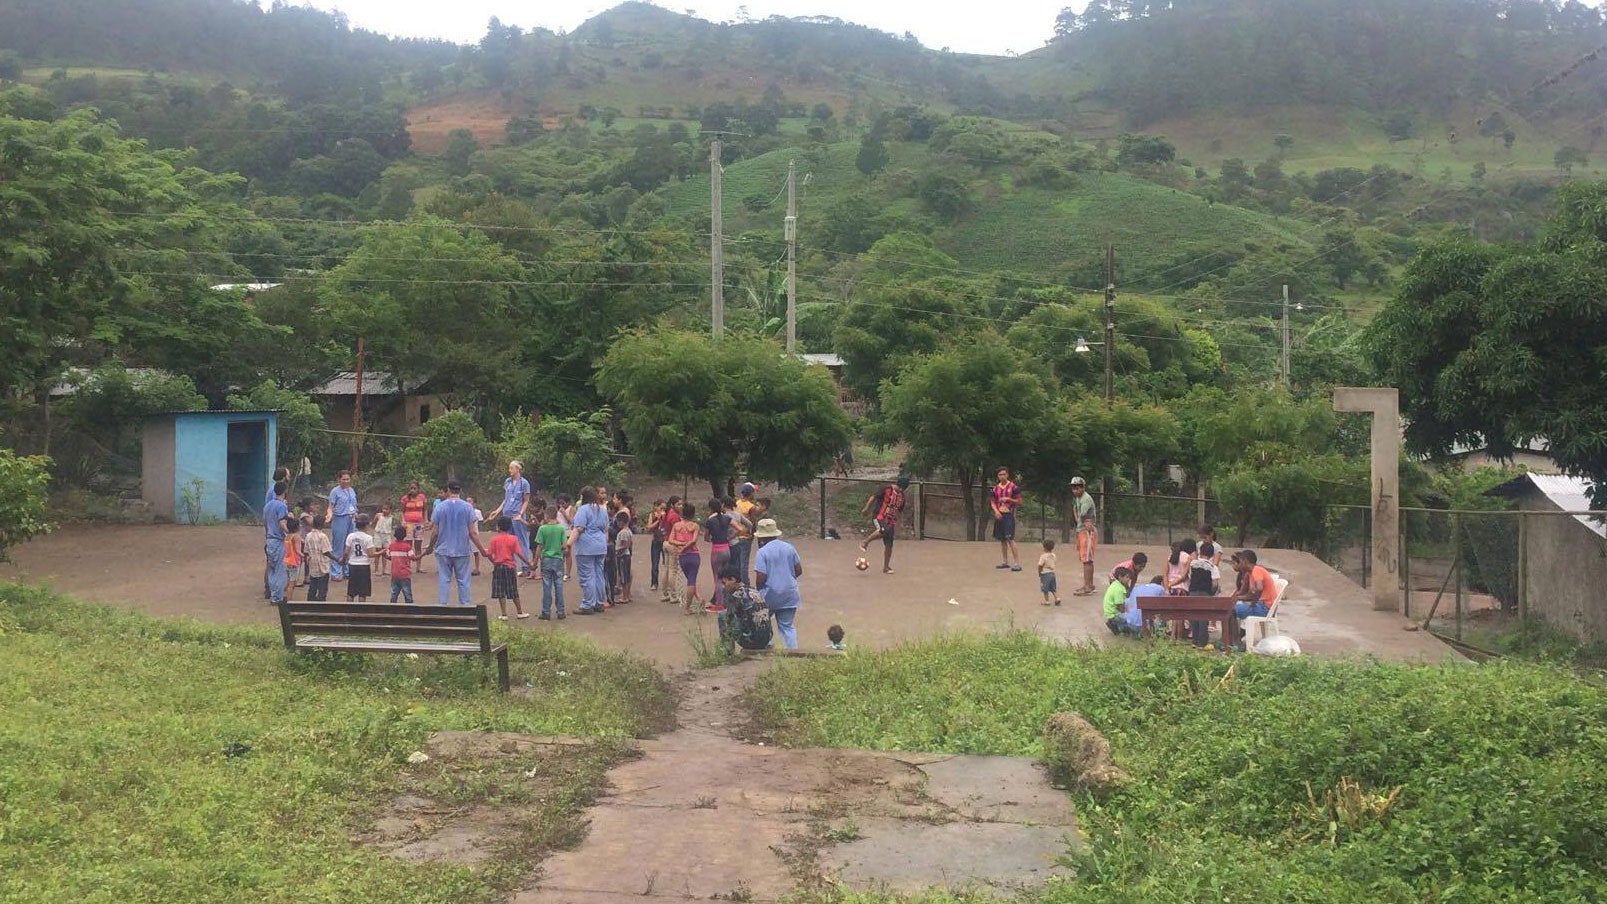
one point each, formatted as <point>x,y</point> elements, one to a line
<point>214,573</point>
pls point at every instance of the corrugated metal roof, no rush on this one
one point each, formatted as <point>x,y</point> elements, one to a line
<point>249,287</point>
<point>1570,494</point>
<point>375,383</point>
<point>828,360</point>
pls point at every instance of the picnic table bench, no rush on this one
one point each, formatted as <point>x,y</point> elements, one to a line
<point>1192,608</point>
<point>387,628</point>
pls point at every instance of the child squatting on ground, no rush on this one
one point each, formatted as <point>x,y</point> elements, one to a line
<point>1046,574</point>
<point>1116,600</point>
<point>506,554</point>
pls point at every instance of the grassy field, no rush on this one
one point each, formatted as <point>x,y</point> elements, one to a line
<point>154,761</point>
<point>1256,779</point>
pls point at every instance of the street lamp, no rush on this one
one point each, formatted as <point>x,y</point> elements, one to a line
<point>1083,347</point>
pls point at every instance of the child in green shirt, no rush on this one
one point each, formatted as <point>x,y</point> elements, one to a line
<point>552,539</point>
<point>1116,601</point>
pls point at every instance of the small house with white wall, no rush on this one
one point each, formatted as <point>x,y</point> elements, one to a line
<point>1565,555</point>
<point>200,466</point>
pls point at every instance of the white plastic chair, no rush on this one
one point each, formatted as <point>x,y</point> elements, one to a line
<point>1259,626</point>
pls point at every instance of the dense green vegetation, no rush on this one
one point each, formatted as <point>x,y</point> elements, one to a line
<point>205,761</point>
<point>1259,779</point>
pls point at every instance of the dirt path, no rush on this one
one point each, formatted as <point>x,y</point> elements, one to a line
<point>703,814</point>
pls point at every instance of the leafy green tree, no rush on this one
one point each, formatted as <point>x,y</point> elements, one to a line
<point>449,447</point>
<point>1502,344</point>
<point>883,326</point>
<point>1284,142</point>
<point>301,422</point>
<point>967,408</point>
<point>10,66</point>
<point>873,156</point>
<point>433,301</point>
<point>461,146</point>
<point>560,453</point>
<point>1568,157</point>
<point>24,498</point>
<point>691,405</point>
<point>1144,150</point>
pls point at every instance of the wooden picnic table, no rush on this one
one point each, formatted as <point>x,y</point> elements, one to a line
<point>1217,609</point>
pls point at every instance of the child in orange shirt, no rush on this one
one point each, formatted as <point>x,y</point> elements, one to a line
<point>293,557</point>
<point>1087,543</point>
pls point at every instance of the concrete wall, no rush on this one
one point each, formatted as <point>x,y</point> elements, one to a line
<point>201,461</point>
<point>156,466</point>
<point>387,414</point>
<point>1567,572</point>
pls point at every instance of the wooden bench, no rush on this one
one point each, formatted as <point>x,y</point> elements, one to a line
<point>384,628</point>
<point>1217,609</point>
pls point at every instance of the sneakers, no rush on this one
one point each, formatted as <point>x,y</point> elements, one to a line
<point>545,617</point>
<point>524,615</point>
<point>1001,566</point>
<point>1015,567</point>
<point>561,616</point>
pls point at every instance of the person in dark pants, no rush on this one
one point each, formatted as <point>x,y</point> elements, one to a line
<point>888,504</point>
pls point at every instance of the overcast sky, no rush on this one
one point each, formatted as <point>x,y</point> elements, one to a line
<point>994,27</point>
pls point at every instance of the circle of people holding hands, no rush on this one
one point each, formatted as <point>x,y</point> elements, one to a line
<point>589,538</point>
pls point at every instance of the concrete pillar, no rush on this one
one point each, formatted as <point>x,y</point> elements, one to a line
<point>1384,406</point>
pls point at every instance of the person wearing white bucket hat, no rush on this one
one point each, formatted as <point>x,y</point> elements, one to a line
<point>776,570</point>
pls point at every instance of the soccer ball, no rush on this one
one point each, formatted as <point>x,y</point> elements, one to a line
<point>861,563</point>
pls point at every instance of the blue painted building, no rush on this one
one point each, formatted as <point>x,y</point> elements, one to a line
<point>209,465</point>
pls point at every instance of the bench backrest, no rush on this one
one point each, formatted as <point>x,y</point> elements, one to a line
<point>461,624</point>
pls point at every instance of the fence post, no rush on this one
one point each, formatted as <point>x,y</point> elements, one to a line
<point>822,508</point>
<point>1367,549</point>
<point>1065,516</point>
<point>1406,568</point>
<point>1523,567</point>
<point>920,510</point>
<point>1457,532</point>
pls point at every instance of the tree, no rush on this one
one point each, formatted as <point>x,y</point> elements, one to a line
<point>433,301</point>
<point>1567,157</point>
<point>1284,142</point>
<point>461,146</point>
<point>1144,150</point>
<point>965,409</point>
<point>1501,345</point>
<point>883,326</point>
<point>562,454</point>
<point>301,422</point>
<point>24,502</point>
<point>450,447</point>
<point>873,156</point>
<point>692,405</point>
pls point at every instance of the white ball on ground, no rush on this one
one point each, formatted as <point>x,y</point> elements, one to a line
<point>862,563</point>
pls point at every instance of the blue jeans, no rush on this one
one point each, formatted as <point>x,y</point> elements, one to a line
<point>402,587</point>
<point>1256,609</point>
<point>455,570</point>
<point>739,558</point>
<point>339,527</point>
<point>589,572</point>
<point>552,583</point>
<point>521,532</point>
<point>656,553</point>
<point>278,578</point>
<point>784,625</point>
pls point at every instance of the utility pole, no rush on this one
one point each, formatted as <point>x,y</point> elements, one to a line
<point>357,406</point>
<point>1107,527</point>
<point>716,240</point>
<point>791,234</point>
<point>1283,362</point>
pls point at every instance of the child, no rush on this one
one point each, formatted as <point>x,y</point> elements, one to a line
<point>1177,567</point>
<point>293,557</point>
<point>655,526</point>
<point>566,518</point>
<point>479,518</point>
<point>401,556</point>
<point>623,547</point>
<point>315,549</point>
<point>414,502</point>
<point>1135,565</point>
<point>834,638</point>
<point>1087,543</point>
<point>384,524</point>
<point>1116,600</point>
<point>553,541</point>
<point>359,577</point>
<point>506,554</point>
<point>1046,574</point>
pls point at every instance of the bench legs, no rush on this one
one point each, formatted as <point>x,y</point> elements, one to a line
<point>502,670</point>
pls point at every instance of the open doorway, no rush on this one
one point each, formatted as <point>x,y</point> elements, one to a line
<point>248,468</point>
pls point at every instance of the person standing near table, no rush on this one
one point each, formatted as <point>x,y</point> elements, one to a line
<point>454,537</point>
<point>1004,500</point>
<point>274,516</point>
<point>776,570</point>
<point>589,539</point>
<point>515,502</point>
<point>342,511</point>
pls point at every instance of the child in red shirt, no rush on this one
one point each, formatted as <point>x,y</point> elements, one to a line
<point>505,553</point>
<point>401,555</point>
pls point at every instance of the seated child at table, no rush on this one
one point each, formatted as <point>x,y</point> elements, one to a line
<point>1116,601</point>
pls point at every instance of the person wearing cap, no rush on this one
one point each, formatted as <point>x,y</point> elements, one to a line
<point>1084,516</point>
<point>888,504</point>
<point>745,500</point>
<point>776,570</point>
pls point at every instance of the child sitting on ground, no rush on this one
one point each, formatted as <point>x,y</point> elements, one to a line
<point>1046,574</point>
<point>401,556</point>
<point>834,638</point>
<point>1116,601</point>
<point>506,554</point>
